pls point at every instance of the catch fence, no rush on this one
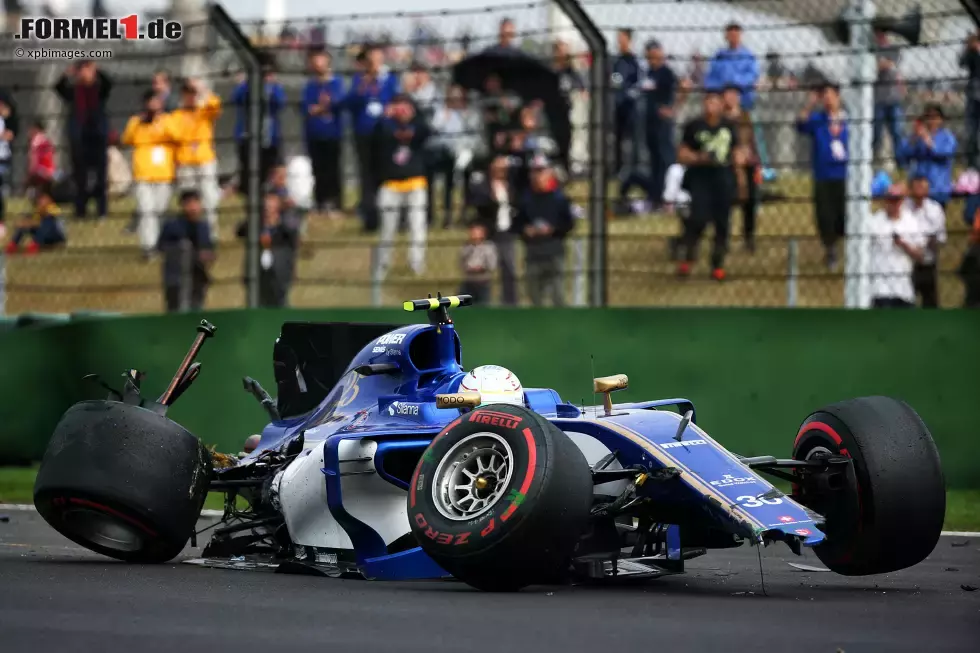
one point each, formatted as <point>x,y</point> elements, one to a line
<point>619,251</point>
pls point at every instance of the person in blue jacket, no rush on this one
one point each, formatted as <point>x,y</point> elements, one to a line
<point>322,105</point>
<point>626,74</point>
<point>271,135</point>
<point>827,129</point>
<point>371,91</point>
<point>930,150</point>
<point>736,67</point>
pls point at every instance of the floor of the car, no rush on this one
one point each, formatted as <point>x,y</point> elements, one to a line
<point>325,564</point>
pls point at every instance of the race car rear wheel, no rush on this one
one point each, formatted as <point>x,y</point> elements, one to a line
<point>500,498</point>
<point>892,511</point>
<point>123,481</point>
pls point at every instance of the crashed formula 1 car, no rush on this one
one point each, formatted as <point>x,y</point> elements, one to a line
<point>384,459</point>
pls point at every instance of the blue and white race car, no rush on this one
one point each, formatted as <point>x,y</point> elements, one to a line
<point>385,459</point>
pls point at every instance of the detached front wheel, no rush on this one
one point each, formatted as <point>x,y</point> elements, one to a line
<point>123,481</point>
<point>500,498</point>
<point>889,515</point>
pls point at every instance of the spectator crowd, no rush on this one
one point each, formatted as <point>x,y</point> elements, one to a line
<point>721,160</point>
<point>502,163</point>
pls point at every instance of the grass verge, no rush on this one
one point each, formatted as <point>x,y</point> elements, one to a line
<point>17,486</point>
<point>962,506</point>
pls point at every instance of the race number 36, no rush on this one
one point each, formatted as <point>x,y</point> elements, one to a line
<point>755,502</point>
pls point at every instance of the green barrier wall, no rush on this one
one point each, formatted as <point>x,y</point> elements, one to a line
<point>753,374</point>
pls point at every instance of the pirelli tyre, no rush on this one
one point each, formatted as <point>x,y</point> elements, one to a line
<point>500,498</point>
<point>123,481</point>
<point>890,514</point>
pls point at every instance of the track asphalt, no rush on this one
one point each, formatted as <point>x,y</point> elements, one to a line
<point>57,597</point>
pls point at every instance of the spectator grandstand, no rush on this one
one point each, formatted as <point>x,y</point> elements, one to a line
<point>793,44</point>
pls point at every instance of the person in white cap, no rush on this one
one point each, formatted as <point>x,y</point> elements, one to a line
<point>931,218</point>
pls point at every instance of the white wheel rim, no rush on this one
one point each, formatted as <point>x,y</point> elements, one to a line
<point>472,476</point>
<point>102,529</point>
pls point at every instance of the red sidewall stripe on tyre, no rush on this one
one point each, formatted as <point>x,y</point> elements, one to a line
<point>818,426</point>
<point>839,441</point>
<point>532,462</point>
<point>113,512</point>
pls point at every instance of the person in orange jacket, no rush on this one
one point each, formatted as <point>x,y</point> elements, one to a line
<point>152,137</point>
<point>197,162</point>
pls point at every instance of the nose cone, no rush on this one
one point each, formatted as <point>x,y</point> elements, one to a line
<point>807,531</point>
<point>814,538</point>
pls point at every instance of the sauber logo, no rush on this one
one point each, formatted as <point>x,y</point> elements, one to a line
<point>802,531</point>
<point>682,443</point>
<point>493,418</point>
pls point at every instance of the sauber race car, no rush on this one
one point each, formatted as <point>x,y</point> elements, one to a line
<point>385,459</point>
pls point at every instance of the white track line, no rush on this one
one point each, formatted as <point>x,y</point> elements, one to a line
<point>26,507</point>
<point>960,534</point>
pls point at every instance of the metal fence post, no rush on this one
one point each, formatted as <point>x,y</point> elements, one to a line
<point>857,257</point>
<point>192,14</point>
<point>792,272</point>
<point>256,130</point>
<point>972,7</point>
<point>229,29</point>
<point>599,102</point>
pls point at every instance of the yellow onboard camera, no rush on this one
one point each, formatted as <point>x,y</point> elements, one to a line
<point>438,306</point>
<point>435,303</point>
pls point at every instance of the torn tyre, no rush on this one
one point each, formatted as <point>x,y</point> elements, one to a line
<point>123,481</point>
